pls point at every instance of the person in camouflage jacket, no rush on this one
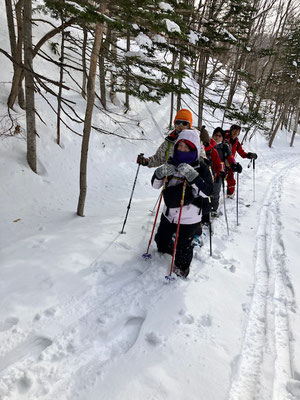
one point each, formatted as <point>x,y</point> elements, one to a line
<point>183,120</point>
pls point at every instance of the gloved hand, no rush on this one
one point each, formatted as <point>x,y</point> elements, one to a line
<point>237,167</point>
<point>222,174</point>
<point>188,171</point>
<point>165,170</point>
<point>252,156</point>
<point>142,160</point>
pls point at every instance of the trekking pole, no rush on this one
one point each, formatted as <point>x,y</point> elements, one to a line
<point>253,180</point>
<point>237,198</point>
<point>147,255</point>
<point>152,211</point>
<point>128,207</point>
<point>210,235</point>
<point>169,277</point>
<point>225,213</point>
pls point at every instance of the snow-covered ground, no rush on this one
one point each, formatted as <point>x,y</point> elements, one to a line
<point>83,316</point>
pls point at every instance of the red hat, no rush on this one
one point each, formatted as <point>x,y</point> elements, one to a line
<point>188,143</point>
<point>184,115</point>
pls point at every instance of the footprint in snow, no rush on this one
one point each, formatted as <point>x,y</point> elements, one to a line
<point>8,323</point>
<point>153,339</point>
<point>24,384</point>
<point>206,320</point>
<point>186,319</point>
<point>128,336</point>
<point>32,347</point>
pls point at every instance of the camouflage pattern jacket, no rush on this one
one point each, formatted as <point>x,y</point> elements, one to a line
<point>165,150</point>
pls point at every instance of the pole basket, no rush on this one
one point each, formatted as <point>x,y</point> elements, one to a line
<point>146,256</point>
<point>170,278</point>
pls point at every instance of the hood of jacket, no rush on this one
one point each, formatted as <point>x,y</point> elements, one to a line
<point>191,135</point>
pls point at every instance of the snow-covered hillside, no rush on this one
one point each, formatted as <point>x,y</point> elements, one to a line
<point>83,316</point>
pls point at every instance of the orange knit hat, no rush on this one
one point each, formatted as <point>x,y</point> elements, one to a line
<point>184,115</point>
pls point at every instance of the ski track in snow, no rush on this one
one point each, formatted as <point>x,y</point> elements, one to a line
<point>82,335</point>
<point>264,369</point>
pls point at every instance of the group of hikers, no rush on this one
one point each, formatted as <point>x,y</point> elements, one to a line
<point>191,167</point>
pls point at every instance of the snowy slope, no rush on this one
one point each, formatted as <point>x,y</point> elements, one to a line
<point>83,316</point>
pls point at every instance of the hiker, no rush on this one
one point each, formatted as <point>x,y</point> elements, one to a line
<point>183,165</point>
<point>183,121</point>
<point>231,137</point>
<point>227,161</point>
<point>212,155</point>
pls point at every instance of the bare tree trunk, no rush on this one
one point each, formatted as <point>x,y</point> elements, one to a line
<point>89,113</point>
<point>84,73</point>
<point>113,78</point>
<point>127,73</point>
<point>203,60</point>
<point>102,71</point>
<point>13,46</point>
<point>172,93</point>
<point>61,78</point>
<point>181,67</point>
<point>29,87</point>
<point>296,123</point>
<point>16,86</point>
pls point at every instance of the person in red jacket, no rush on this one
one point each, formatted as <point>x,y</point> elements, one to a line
<point>231,137</point>
<point>211,205</point>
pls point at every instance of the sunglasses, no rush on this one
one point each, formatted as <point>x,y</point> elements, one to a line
<point>183,123</point>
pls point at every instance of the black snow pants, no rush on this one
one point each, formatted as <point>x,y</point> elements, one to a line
<point>184,250</point>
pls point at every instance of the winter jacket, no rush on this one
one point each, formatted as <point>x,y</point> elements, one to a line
<point>200,187</point>
<point>213,155</point>
<point>165,150</point>
<point>225,154</point>
<point>235,145</point>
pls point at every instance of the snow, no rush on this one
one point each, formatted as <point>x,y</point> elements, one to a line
<point>172,26</point>
<point>165,6</point>
<point>193,37</point>
<point>84,316</point>
<point>159,39</point>
<point>143,88</point>
<point>143,40</point>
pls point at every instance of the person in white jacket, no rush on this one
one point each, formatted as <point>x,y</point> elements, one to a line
<point>183,165</point>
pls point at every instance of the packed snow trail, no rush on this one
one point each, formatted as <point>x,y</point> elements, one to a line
<point>265,366</point>
<point>121,331</point>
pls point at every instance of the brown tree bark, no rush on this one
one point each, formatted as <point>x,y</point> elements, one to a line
<point>89,113</point>
<point>13,45</point>
<point>84,73</point>
<point>61,79</point>
<point>296,123</point>
<point>29,87</point>
<point>127,105</point>
<point>16,86</point>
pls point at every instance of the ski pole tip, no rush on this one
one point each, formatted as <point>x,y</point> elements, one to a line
<point>146,256</point>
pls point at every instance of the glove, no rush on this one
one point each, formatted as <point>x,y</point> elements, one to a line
<point>222,174</point>
<point>142,160</point>
<point>165,170</point>
<point>252,156</point>
<point>188,171</point>
<point>237,168</point>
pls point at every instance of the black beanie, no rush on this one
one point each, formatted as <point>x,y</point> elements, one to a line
<point>233,127</point>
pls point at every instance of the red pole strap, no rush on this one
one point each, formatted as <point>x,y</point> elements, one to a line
<point>178,226</point>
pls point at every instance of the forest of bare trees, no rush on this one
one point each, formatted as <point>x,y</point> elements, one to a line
<point>222,45</point>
